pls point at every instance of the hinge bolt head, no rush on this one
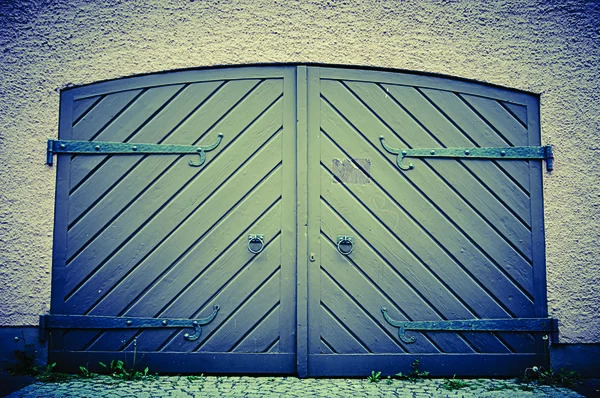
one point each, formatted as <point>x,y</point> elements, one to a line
<point>467,152</point>
<point>195,323</point>
<point>62,146</point>
<point>432,152</point>
<point>503,153</point>
<point>164,323</point>
<point>97,147</point>
<point>16,338</point>
<point>134,148</point>
<point>129,323</point>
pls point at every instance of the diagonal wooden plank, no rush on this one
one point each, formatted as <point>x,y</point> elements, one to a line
<point>257,306</point>
<point>175,179</point>
<point>202,272</point>
<point>154,131</point>
<point>469,270</point>
<point>232,294</point>
<point>190,264</point>
<point>118,130</point>
<point>366,296</point>
<point>337,336</point>
<point>108,107</point>
<point>499,118</point>
<point>153,229</point>
<point>78,340</point>
<point>422,194</point>
<point>142,234</point>
<point>489,176</point>
<point>137,181</point>
<point>324,346</point>
<point>430,262</point>
<point>398,290</point>
<point>82,106</point>
<point>262,337</point>
<point>479,131</point>
<point>518,111</point>
<point>274,348</point>
<point>417,273</point>
<point>431,259</point>
<point>468,194</point>
<point>402,260</point>
<point>138,123</point>
<point>362,327</point>
<point>180,240</point>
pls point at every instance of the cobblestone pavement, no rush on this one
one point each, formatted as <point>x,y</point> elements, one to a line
<point>215,386</point>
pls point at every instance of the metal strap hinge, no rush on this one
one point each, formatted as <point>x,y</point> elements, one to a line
<point>122,148</point>
<point>515,152</point>
<point>108,322</point>
<point>544,325</point>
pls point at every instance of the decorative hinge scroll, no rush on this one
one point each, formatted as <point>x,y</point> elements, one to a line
<point>516,152</point>
<point>122,148</point>
<point>107,322</point>
<point>547,325</point>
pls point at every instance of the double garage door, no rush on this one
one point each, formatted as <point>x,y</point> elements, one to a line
<point>297,244</point>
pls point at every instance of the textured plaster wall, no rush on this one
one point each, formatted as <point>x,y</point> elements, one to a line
<point>546,47</point>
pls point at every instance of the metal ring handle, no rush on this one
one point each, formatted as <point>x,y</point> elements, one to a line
<point>345,240</point>
<point>256,239</point>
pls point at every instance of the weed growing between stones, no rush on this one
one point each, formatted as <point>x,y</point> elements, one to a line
<point>44,374</point>
<point>193,378</point>
<point>550,377</point>
<point>85,373</point>
<point>47,375</point>
<point>454,384</point>
<point>415,374</point>
<point>374,377</point>
<point>120,371</point>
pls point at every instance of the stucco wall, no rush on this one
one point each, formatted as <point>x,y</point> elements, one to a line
<point>547,47</point>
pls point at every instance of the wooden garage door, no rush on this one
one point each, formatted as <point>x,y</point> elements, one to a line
<point>146,244</point>
<point>447,240</point>
<point>148,236</point>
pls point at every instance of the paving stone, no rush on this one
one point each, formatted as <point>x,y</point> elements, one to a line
<point>105,386</point>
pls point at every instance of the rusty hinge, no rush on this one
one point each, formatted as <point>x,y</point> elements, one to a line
<point>515,152</point>
<point>108,322</point>
<point>545,325</point>
<point>122,148</point>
